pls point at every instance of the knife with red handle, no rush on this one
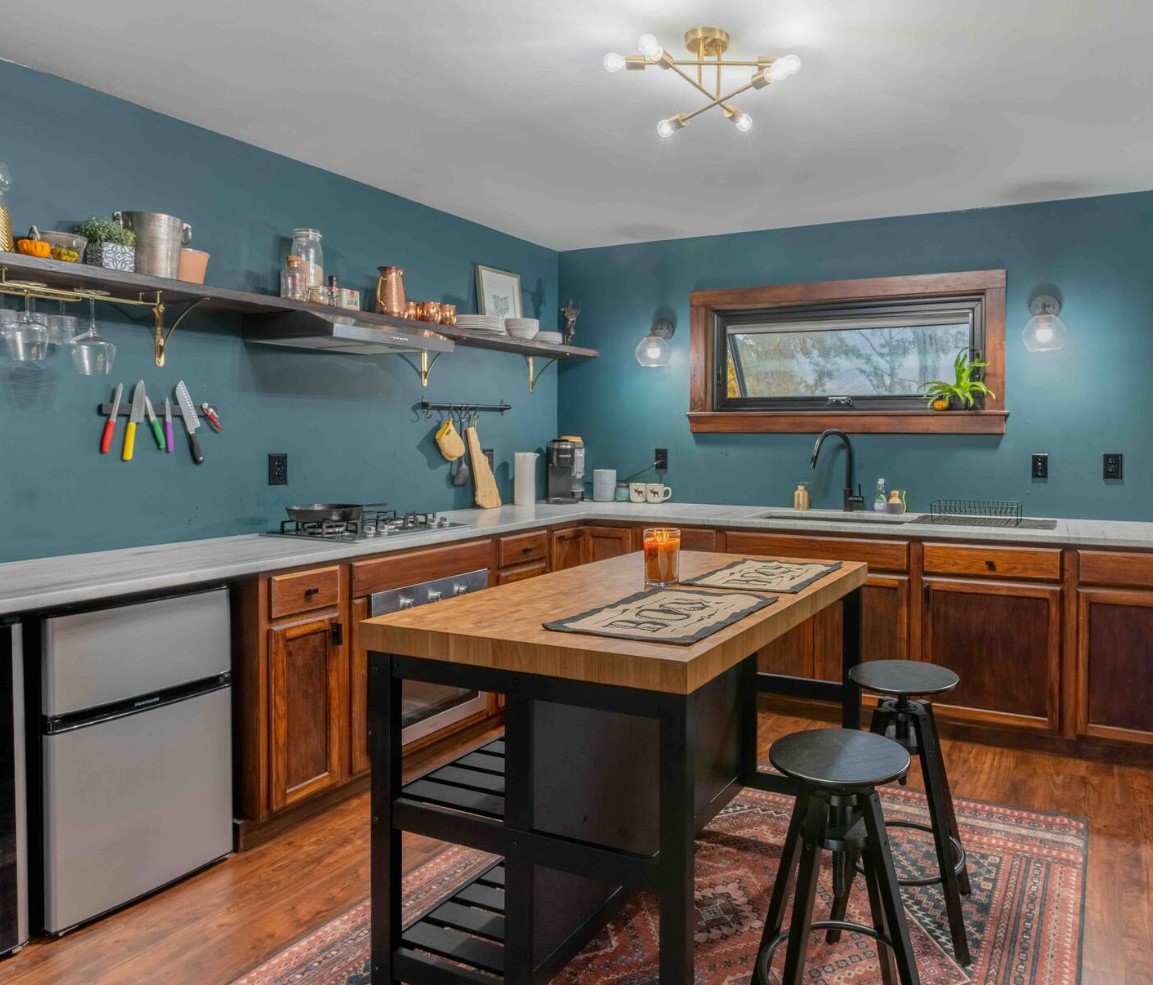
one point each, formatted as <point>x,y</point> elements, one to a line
<point>110,424</point>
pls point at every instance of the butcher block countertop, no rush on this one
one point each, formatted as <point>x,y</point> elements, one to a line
<point>501,628</point>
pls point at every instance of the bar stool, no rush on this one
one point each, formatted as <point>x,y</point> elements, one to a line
<point>837,809</point>
<point>911,724</point>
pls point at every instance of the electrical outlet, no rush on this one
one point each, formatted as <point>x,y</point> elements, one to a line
<point>1111,465</point>
<point>487,452</point>
<point>1041,466</point>
<point>278,470</point>
<point>662,459</point>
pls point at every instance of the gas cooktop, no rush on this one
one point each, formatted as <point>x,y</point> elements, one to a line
<point>370,525</point>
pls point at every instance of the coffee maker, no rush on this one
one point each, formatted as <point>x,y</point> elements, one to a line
<point>566,469</point>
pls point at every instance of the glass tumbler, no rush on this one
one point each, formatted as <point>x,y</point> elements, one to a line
<point>662,554</point>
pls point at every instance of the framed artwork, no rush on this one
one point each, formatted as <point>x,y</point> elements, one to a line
<point>497,292</point>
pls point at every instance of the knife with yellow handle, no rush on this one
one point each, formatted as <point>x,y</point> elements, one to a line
<point>137,415</point>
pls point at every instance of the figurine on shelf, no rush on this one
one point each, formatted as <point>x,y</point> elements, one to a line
<point>568,316</point>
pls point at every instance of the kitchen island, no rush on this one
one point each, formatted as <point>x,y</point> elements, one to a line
<point>616,753</point>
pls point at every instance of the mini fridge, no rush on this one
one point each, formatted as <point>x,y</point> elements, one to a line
<point>13,793</point>
<point>136,750</point>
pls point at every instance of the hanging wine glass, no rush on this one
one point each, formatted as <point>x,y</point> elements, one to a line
<point>92,355</point>
<point>62,329</point>
<point>28,338</point>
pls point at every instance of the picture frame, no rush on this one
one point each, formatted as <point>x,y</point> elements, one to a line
<point>498,292</point>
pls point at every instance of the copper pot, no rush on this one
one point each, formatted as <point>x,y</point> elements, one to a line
<point>390,291</point>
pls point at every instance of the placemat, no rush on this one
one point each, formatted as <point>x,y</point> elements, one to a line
<point>669,615</point>
<point>758,575</point>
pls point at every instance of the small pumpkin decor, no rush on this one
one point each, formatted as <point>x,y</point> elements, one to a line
<point>964,391</point>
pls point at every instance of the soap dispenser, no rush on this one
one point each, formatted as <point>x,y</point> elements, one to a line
<point>801,497</point>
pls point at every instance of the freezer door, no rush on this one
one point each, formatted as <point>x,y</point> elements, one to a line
<point>133,803</point>
<point>106,655</point>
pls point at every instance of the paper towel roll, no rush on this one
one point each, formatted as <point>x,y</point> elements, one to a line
<point>524,478</point>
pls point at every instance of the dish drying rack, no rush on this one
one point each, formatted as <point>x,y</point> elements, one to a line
<point>976,512</point>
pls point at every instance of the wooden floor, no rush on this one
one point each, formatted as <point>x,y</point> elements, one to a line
<point>220,923</point>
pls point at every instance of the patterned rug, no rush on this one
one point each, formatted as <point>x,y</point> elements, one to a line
<point>1024,916</point>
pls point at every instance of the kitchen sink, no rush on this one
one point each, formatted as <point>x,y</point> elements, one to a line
<point>887,519</point>
<point>809,516</point>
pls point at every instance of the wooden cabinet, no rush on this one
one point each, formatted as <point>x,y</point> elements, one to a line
<point>1003,639</point>
<point>566,548</point>
<point>308,698</point>
<point>606,542</point>
<point>506,576</point>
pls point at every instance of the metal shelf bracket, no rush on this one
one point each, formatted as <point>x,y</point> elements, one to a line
<point>533,375</point>
<point>425,367</point>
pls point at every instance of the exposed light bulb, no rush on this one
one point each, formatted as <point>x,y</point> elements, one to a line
<point>613,62</point>
<point>653,352</point>
<point>665,128</point>
<point>783,67</point>
<point>1044,333</point>
<point>743,122</point>
<point>650,47</point>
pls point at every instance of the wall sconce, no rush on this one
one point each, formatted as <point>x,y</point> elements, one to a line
<point>654,349</point>
<point>1044,331</point>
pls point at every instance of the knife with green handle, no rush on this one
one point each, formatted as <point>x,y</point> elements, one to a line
<point>154,423</point>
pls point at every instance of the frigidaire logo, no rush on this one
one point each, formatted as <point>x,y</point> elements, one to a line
<point>146,701</point>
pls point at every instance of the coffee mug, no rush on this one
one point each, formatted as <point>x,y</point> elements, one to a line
<point>622,493</point>
<point>604,485</point>
<point>658,492</point>
<point>636,492</point>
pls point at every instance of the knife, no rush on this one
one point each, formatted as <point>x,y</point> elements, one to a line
<point>137,415</point>
<point>154,423</point>
<point>110,424</point>
<point>169,444</point>
<point>191,421</point>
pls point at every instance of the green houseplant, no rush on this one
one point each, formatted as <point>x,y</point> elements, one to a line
<point>963,392</point>
<point>110,245</point>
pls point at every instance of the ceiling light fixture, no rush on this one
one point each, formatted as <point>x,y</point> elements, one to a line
<point>1044,331</point>
<point>707,45</point>
<point>654,349</point>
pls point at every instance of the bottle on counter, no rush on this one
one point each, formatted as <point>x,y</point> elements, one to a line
<point>334,291</point>
<point>292,284</point>
<point>801,497</point>
<point>879,504</point>
<point>5,221</point>
<point>306,245</point>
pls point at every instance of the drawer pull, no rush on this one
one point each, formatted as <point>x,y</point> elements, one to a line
<point>309,592</point>
<point>990,564</point>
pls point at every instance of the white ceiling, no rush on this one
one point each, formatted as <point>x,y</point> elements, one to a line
<point>500,111</point>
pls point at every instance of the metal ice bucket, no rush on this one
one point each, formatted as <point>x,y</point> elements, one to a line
<point>158,241</point>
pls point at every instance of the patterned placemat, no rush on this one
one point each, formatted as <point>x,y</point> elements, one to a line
<point>753,574</point>
<point>670,615</point>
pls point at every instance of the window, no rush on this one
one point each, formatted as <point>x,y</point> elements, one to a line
<point>849,354</point>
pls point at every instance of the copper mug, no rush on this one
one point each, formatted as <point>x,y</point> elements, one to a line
<point>390,291</point>
<point>448,314</point>
<point>412,310</point>
<point>430,311</point>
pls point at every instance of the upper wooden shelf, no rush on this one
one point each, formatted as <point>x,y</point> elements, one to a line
<point>141,288</point>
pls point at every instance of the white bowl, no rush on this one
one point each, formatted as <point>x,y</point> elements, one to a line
<point>522,323</point>
<point>523,331</point>
<point>555,337</point>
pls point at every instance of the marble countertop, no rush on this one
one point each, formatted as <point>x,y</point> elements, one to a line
<point>43,583</point>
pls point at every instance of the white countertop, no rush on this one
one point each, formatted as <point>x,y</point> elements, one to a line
<point>54,581</point>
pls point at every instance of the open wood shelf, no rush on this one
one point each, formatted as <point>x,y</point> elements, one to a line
<point>474,783</point>
<point>134,287</point>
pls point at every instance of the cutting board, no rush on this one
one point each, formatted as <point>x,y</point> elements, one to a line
<point>486,495</point>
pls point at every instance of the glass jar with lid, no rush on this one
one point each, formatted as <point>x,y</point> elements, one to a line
<point>306,245</point>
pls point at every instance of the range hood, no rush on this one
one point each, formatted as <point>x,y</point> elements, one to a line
<point>339,332</point>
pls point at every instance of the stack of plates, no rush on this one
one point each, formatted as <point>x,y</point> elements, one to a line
<point>522,328</point>
<point>482,323</point>
<point>554,337</point>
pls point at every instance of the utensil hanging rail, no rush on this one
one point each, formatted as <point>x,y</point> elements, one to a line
<point>427,407</point>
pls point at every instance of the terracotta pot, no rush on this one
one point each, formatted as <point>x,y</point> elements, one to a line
<point>193,265</point>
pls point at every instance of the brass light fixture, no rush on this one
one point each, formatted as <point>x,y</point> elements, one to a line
<point>707,45</point>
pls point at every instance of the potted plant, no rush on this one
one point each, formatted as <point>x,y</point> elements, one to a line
<point>963,392</point>
<point>110,245</point>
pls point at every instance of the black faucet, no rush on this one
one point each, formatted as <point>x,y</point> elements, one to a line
<point>850,502</point>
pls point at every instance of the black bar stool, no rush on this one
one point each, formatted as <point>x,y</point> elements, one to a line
<point>837,809</point>
<point>911,724</point>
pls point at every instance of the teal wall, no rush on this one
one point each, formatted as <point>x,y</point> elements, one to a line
<point>346,422</point>
<point>1094,395</point>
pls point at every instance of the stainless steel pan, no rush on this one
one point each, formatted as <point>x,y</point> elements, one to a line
<point>332,512</point>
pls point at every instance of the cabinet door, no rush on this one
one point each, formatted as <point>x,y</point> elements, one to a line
<point>605,542</point>
<point>884,626</point>
<point>566,548</point>
<point>1004,641</point>
<point>358,760</point>
<point>308,690</point>
<point>1114,669</point>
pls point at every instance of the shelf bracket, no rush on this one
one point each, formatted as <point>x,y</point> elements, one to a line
<point>159,336</point>
<point>533,375</point>
<point>425,367</point>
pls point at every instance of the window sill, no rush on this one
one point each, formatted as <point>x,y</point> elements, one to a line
<point>854,422</point>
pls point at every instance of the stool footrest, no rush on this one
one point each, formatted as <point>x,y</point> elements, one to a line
<point>765,958</point>
<point>958,851</point>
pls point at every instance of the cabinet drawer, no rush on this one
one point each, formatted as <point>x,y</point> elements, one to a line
<point>522,571</point>
<point>692,539</point>
<point>1115,568</point>
<point>305,590</point>
<point>521,548</point>
<point>879,555</point>
<point>413,567</point>
<point>993,562</point>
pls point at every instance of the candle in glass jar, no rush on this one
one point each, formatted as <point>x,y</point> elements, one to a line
<point>662,550</point>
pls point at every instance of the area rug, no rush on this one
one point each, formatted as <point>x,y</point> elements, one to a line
<point>1024,916</point>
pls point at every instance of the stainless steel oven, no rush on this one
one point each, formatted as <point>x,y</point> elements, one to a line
<point>428,708</point>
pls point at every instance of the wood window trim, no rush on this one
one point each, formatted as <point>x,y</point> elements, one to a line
<point>705,306</point>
